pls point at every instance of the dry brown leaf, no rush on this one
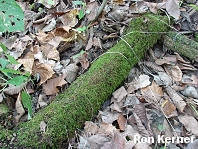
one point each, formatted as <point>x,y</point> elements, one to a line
<point>184,66</point>
<point>44,38</point>
<point>121,122</point>
<point>154,92</point>
<point>141,145</point>
<point>153,7</point>
<point>120,94</point>
<point>97,141</point>
<point>50,87</point>
<point>118,141</point>
<point>41,103</point>
<point>177,100</point>
<point>154,66</point>
<point>93,8</point>
<point>140,111</point>
<point>65,32</point>
<point>190,91</point>
<point>18,48</point>
<point>11,90</point>
<point>190,80</point>
<point>43,126</point>
<point>108,117</point>
<point>83,60</point>
<point>169,109</point>
<point>118,1</point>
<point>190,123</point>
<point>138,7</point>
<point>141,82</point>
<point>27,61</point>
<point>44,70</point>
<point>166,79</point>
<point>172,7</point>
<point>70,72</point>
<point>70,18</point>
<point>90,128</point>
<point>50,52</point>
<point>192,145</point>
<point>142,130</point>
<point>106,129</point>
<point>179,58</point>
<point>174,72</point>
<point>115,106</point>
<point>19,108</point>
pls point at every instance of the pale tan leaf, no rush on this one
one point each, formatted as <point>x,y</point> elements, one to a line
<point>177,100</point>
<point>166,79</point>
<point>172,7</point>
<point>179,58</point>
<point>192,145</point>
<point>97,141</point>
<point>120,94</point>
<point>153,7</point>
<point>174,72</point>
<point>11,90</point>
<point>190,91</point>
<point>106,129</point>
<point>27,61</point>
<point>90,128</point>
<point>50,52</point>
<point>108,117</point>
<point>141,145</point>
<point>70,72</point>
<point>142,81</point>
<point>93,8</point>
<point>41,103</point>
<point>118,141</point>
<point>19,108</point>
<point>189,80</point>
<point>190,123</point>
<point>43,126</point>
<point>115,107</point>
<point>83,60</point>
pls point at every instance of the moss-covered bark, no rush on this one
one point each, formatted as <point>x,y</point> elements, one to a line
<point>84,97</point>
<point>181,44</point>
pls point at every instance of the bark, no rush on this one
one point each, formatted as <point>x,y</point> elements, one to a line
<point>82,100</point>
<point>182,45</point>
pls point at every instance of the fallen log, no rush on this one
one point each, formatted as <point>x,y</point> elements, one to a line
<point>82,100</point>
<point>182,45</point>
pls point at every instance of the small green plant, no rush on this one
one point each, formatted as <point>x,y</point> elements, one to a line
<point>11,16</point>
<point>82,29</point>
<point>27,103</point>
<point>83,10</point>
<point>194,6</point>
<point>8,75</point>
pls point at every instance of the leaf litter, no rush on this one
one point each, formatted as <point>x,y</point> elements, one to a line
<point>160,100</point>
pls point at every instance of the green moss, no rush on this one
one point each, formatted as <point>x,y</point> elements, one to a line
<point>82,100</point>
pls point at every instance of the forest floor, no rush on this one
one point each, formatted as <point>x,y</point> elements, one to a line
<point>158,100</point>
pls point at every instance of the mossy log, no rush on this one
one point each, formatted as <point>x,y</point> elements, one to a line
<point>182,45</point>
<point>82,100</point>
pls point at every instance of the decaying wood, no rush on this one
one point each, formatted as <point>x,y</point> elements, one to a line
<point>182,45</point>
<point>82,100</point>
